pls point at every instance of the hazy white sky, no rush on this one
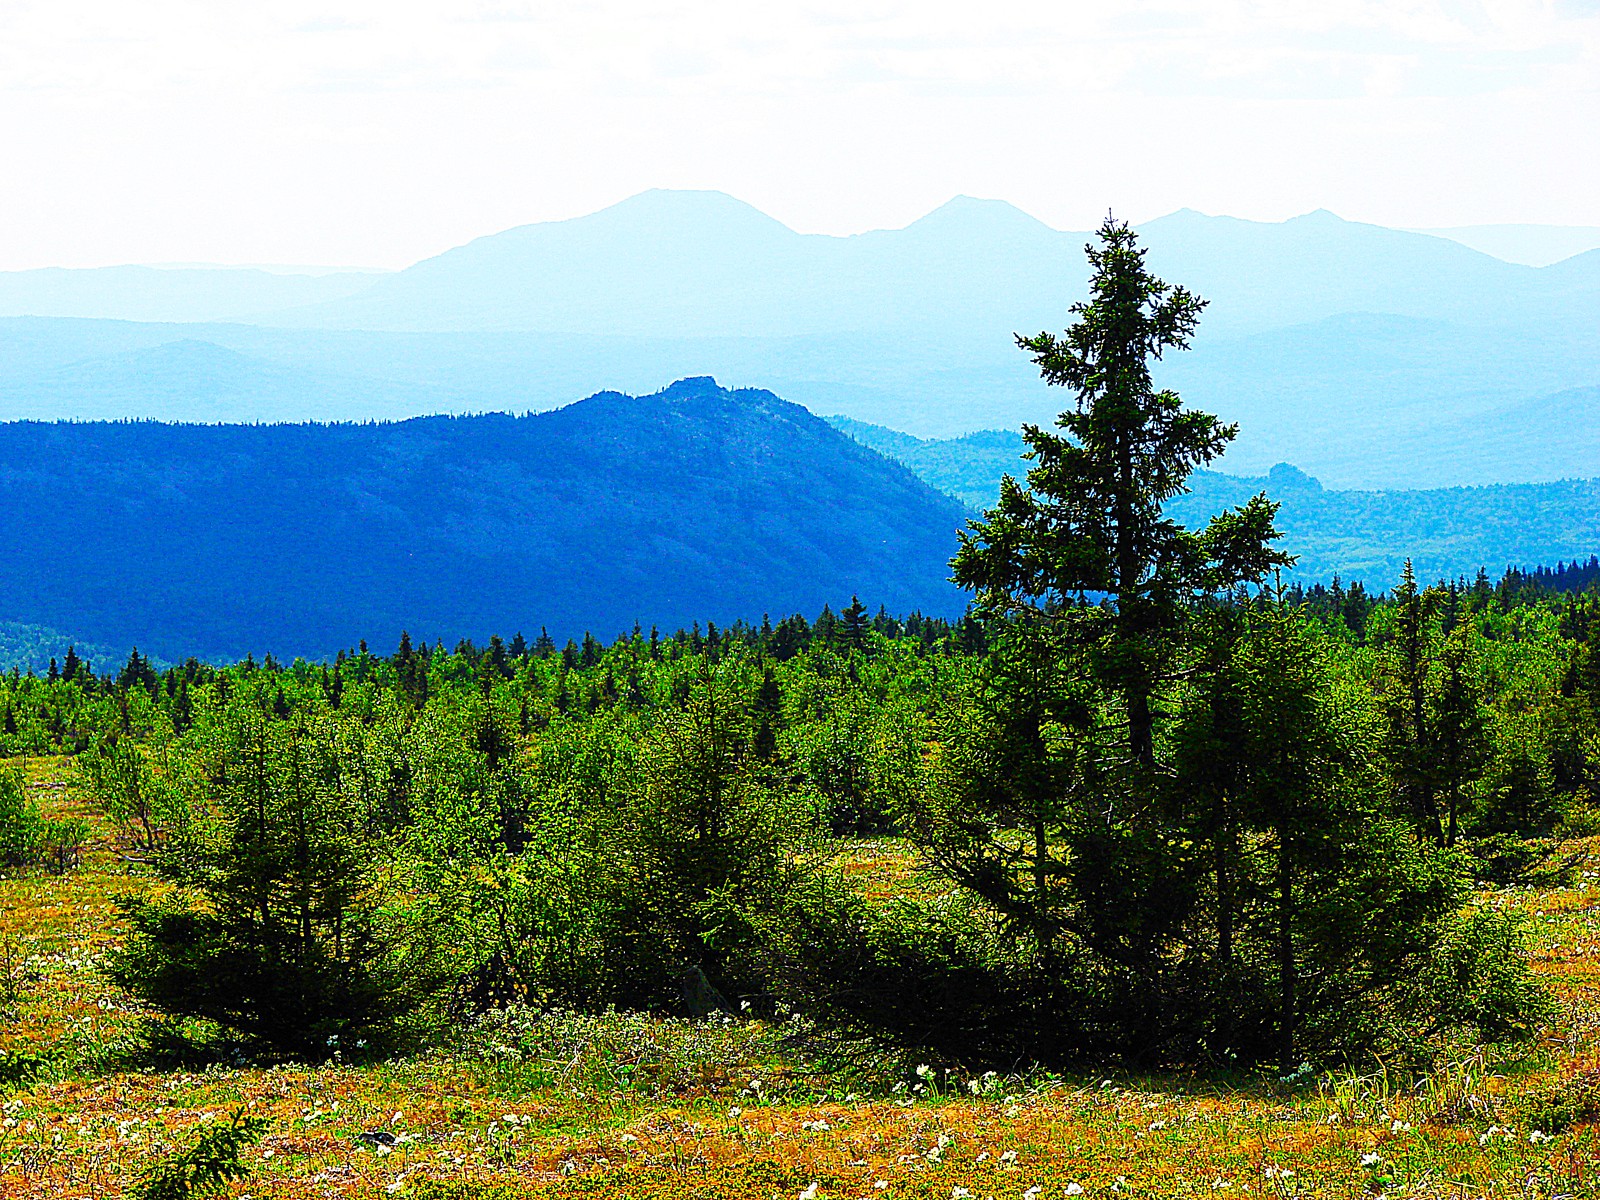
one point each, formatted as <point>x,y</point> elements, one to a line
<point>379,131</point>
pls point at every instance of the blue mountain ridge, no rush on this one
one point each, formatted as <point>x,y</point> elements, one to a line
<point>693,503</point>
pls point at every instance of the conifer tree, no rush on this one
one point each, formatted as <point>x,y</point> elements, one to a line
<point>1460,734</point>
<point>853,624</point>
<point>1090,519</point>
<point>1409,746</point>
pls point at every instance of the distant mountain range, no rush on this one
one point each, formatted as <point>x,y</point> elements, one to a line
<point>1365,535</point>
<point>1370,357</point>
<point>694,503</point>
<point>1535,245</point>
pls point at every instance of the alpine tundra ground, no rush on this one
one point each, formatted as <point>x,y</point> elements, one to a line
<point>633,1107</point>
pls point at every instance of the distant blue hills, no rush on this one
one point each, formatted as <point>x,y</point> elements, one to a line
<point>1367,535</point>
<point>1369,357</point>
<point>267,461</point>
<point>694,503</point>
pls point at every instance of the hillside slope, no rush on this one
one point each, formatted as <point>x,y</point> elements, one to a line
<point>693,503</point>
<point>1364,535</point>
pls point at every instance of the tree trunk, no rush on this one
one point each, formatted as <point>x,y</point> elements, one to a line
<point>1286,964</point>
<point>1041,900</point>
<point>1136,689</point>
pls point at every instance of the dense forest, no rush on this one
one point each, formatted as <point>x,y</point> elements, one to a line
<point>1155,805</point>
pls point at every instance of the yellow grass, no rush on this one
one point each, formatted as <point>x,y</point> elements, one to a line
<point>464,1129</point>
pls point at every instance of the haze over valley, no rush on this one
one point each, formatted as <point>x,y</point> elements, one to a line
<point>1368,357</point>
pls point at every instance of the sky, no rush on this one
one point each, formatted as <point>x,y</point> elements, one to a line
<point>377,132</point>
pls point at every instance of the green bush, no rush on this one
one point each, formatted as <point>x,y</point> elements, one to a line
<point>22,829</point>
<point>30,839</point>
<point>1476,976</point>
<point>206,1167</point>
<point>289,922</point>
<point>134,794</point>
<point>1557,1107</point>
<point>1504,859</point>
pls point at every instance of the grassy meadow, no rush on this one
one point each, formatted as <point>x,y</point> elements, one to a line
<point>636,1108</point>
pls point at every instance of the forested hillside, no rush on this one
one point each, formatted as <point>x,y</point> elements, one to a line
<point>1368,535</point>
<point>299,539</point>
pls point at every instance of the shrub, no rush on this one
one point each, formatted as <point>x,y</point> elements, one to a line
<point>1557,1107</point>
<point>281,925</point>
<point>140,799</point>
<point>27,837</point>
<point>1505,859</point>
<point>1477,976</point>
<point>650,861</point>
<point>205,1167</point>
<point>22,828</point>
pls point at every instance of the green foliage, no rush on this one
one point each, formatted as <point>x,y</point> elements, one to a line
<point>206,1167</point>
<point>282,925</point>
<point>134,792</point>
<point>441,834</point>
<point>1476,976</point>
<point>1090,518</point>
<point>1557,1107</point>
<point>1215,867</point>
<point>1159,810</point>
<point>27,837</point>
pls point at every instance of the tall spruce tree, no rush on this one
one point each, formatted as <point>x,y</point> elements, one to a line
<point>1046,798</point>
<point>1409,745</point>
<point>1460,733</point>
<point>1090,519</point>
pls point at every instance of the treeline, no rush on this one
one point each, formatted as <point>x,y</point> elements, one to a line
<point>1563,577</point>
<point>39,717</point>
